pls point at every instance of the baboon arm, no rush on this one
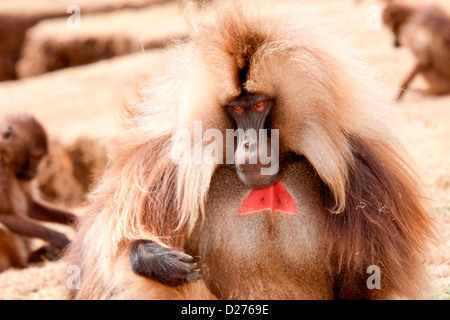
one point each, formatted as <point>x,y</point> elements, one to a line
<point>26,227</point>
<point>46,212</point>
<point>418,68</point>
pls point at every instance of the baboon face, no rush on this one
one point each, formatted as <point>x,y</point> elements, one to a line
<point>251,113</point>
<point>23,145</point>
<point>393,18</point>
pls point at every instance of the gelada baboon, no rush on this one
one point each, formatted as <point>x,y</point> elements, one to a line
<point>23,143</point>
<point>343,198</point>
<point>425,30</point>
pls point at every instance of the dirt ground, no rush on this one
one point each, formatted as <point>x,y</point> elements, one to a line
<point>83,101</point>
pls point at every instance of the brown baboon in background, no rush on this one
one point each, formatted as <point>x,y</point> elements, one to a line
<point>344,197</point>
<point>23,143</point>
<point>425,30</point>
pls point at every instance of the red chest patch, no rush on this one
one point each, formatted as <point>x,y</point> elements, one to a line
<point>275,197</point>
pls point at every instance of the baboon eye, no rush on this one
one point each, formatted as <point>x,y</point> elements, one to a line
<point>259,106</point>
<point>238,109</point>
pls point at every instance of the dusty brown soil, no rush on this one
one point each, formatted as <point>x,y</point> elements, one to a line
<point>82,101</point>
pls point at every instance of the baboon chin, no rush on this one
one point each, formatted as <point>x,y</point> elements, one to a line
<point>341,200</point>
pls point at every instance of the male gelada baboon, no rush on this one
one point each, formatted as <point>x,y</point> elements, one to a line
<point>23,143</point>
<point>425,30</point>
<point>343,198</point>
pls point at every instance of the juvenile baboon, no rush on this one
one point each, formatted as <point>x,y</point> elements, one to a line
<point>342,200</point>
<point>23,143</point>
<point>425,30</point>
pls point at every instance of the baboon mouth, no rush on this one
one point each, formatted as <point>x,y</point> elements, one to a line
<point>255,179</point>
<point>248,169</point>
<point>273,198</point>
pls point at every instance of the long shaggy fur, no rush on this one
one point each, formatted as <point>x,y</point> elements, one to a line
<point>327,111</point>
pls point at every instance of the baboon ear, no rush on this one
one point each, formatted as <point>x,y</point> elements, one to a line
<point>7,133</point>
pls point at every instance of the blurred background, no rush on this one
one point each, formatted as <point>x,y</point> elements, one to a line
<point>72,64</point>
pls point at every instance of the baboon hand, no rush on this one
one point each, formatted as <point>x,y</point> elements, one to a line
<point>51,251</point>
<point>47,252</point>
<point>171,267</point>
<point>59,241</point>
